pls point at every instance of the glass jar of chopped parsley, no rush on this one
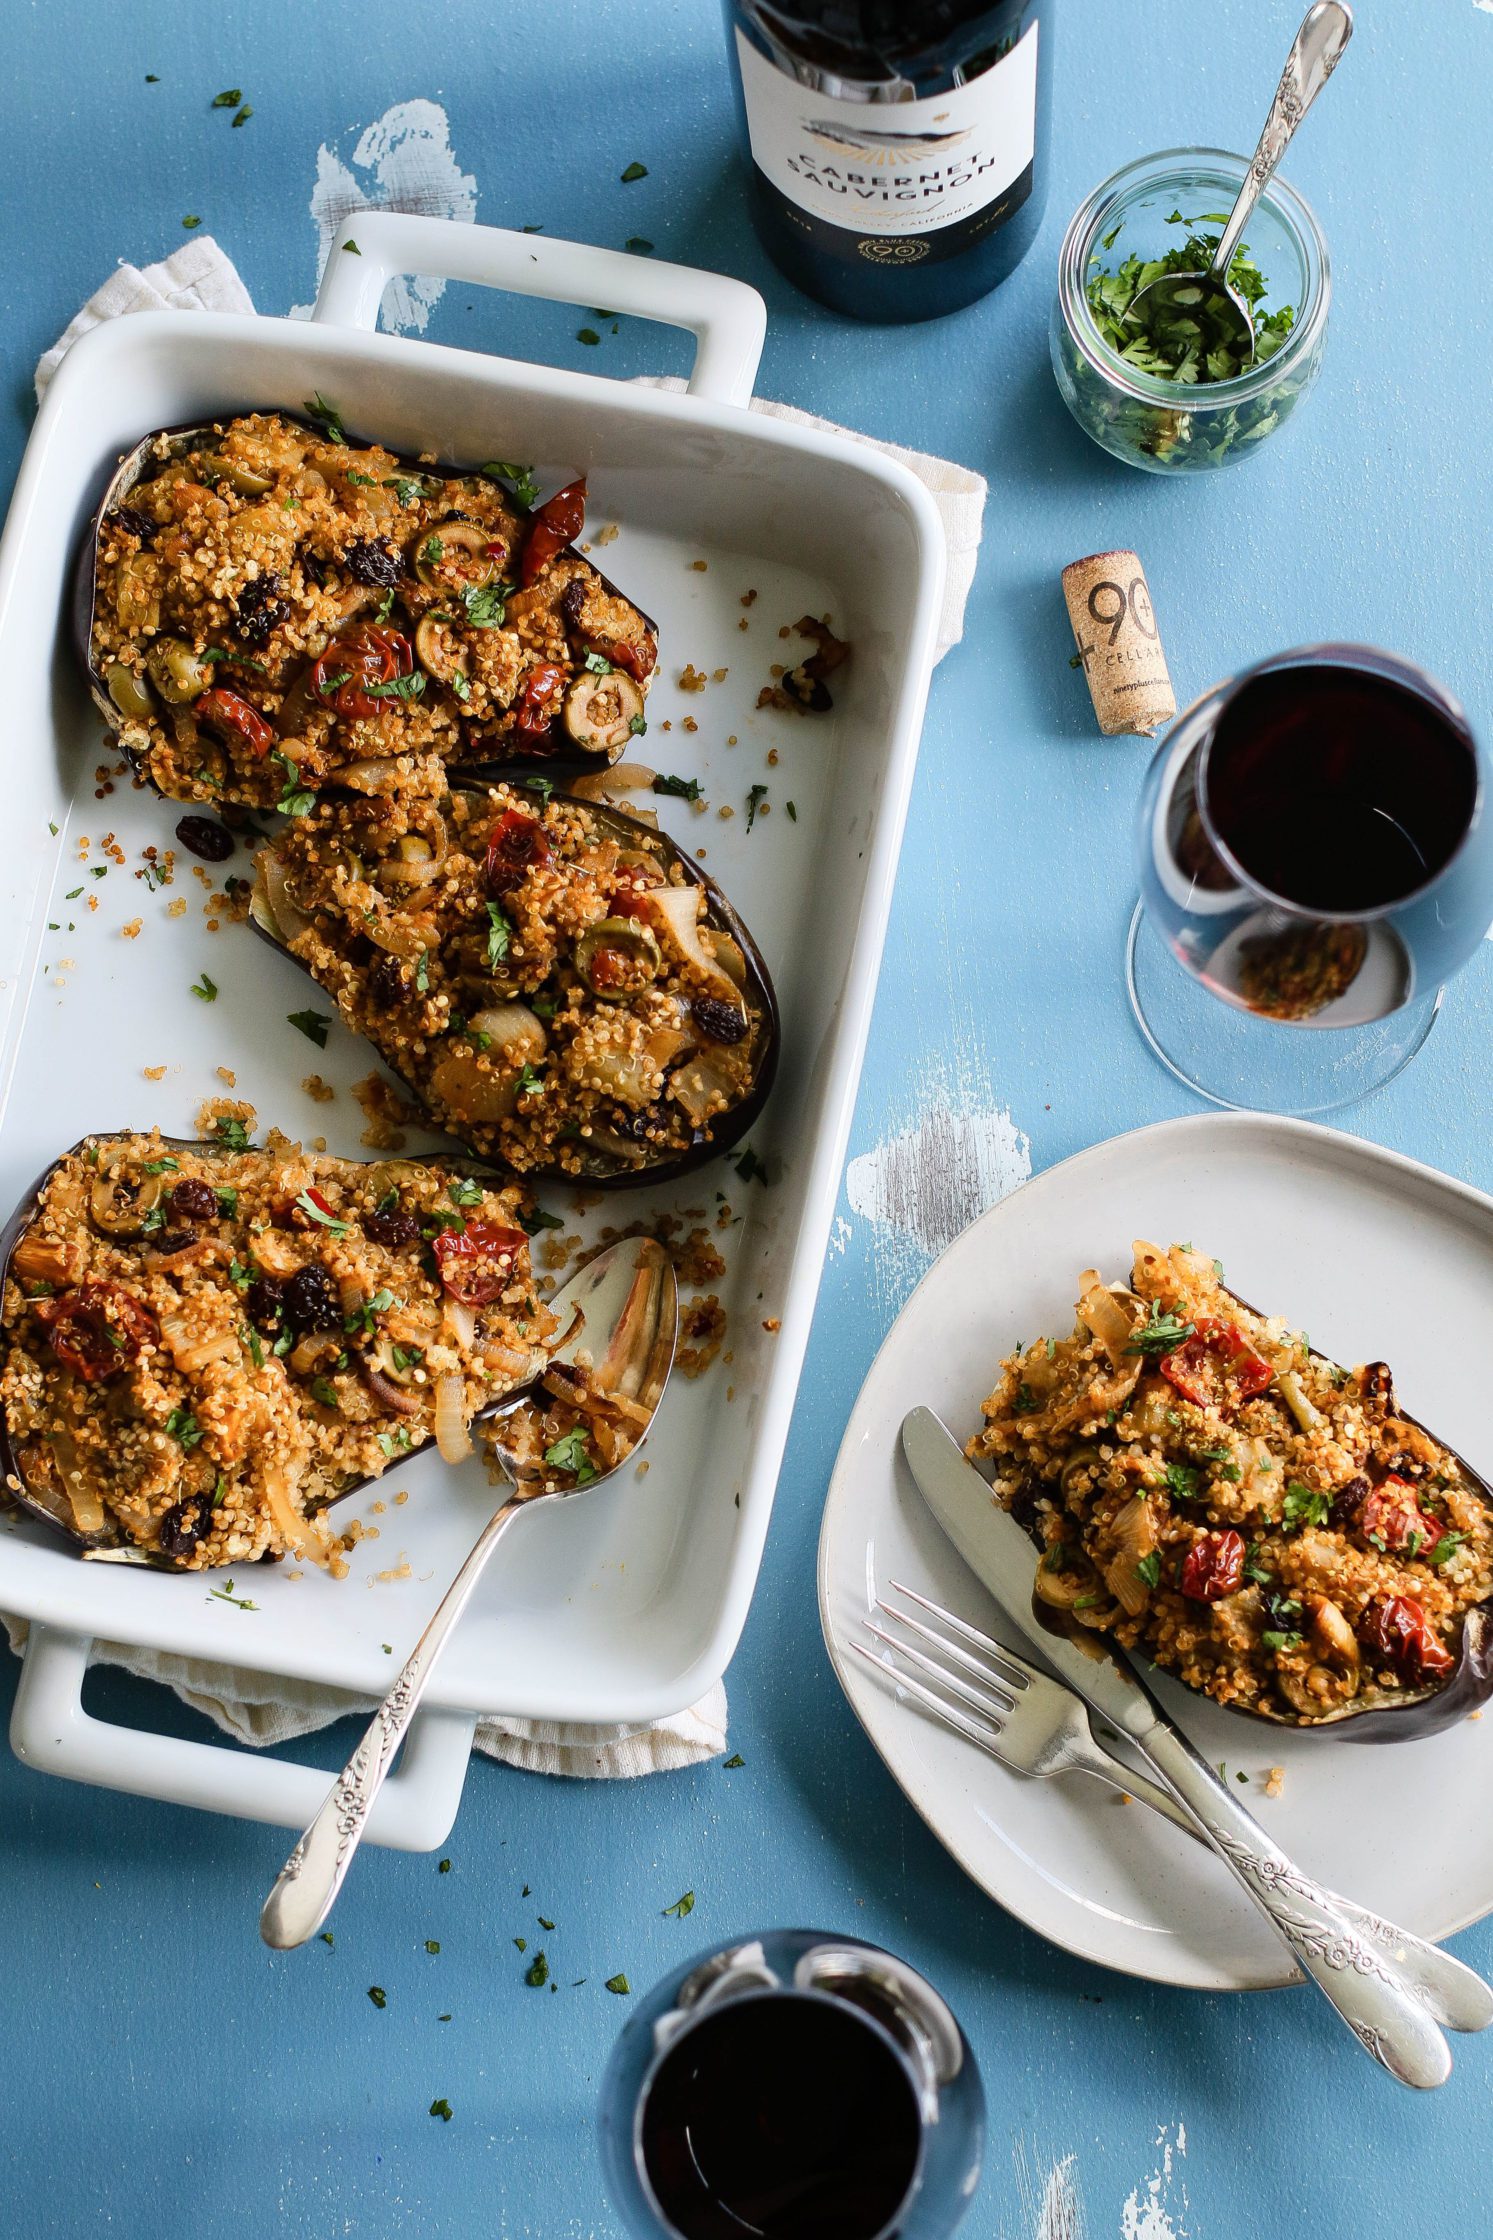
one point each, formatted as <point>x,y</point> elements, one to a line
<point>1169,395</point>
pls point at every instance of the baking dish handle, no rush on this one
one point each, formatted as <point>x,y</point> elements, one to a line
<point>727,318</point>
<point>51,1732</point>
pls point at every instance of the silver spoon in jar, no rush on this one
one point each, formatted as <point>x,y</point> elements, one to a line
<point>1325,31</point>
<point>624,1308</point>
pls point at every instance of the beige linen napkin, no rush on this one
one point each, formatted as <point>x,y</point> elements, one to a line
<point>264,1708</point>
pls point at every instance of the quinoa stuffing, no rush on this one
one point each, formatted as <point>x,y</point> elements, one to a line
<point>1253,1518</point>
<point>278,607</point>
<point>202,1347</point>
<point>558,986</point>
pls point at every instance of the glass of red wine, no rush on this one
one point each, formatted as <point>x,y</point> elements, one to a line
<point>1316,862</point>
<point>792,2086</point>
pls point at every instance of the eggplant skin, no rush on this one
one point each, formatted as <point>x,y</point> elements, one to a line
<point>557,752</point>
<point>725,1131</point>
<point>112,1544</point>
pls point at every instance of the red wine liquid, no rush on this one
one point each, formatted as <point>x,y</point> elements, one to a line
<point>1336,789</point>
<point>787,2118</point>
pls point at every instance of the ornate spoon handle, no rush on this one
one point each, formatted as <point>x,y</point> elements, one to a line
<point>1385,2014</point>
<point>1325,31</point>
<point>313,1874</point>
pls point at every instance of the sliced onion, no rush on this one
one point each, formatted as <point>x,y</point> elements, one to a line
<point>451,1434</point>
<point>83,1499</point>
<point>193,1354</point>
<point>698,1086</point>
<point>462,1322</point>
<point>287,921</point>
<point>677,909</point>
<point>1108,1314</point>
<point>378,774</point>
<point>622,777</point>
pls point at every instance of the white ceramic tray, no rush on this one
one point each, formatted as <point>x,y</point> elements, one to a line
<point>1379,1258</point>
<point>629,1606</point>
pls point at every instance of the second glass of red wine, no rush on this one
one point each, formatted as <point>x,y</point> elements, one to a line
<point>792,2086</point>
<point>1316,862</point>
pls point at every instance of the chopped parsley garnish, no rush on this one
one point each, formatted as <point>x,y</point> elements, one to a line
<point>756,795</point>
<point>1446,1547</point>
<point>544,787</point>
<point>320,1213</point>
<point>323,1389</point>
<point>431,1945</point>
<point>537,1973</point>
<point>422,971</point>
<point>1277,1639</point>
<point>483,605</point>
<point>441,2108</point>
<point>1182,1481</point>
<point>1161,1332</point>
<point>392,1443</point>
<point>225,1593</point>
<point>1254,1567</point>
<point>598,664</point>
<point>153,1219</point>
<point>1190,343</point>
<point>733,1762</point>
<point>1302,1506</point>
<point>444,1867</point>
<point>680,1907</point>
<point>368,482</point>
<point>684,789</point>
<point>361,1318</point>
<point>295,800</point>
<point>570,1453</point>
<point>749,1167</point>
<point>464,1191</point>
<point>433,552</point>
<point>520,479</point>
<point>499,934</point>
<point>406,488</point>
<point>183,1427</point>
<point>530,1082</point>
<point>411,687</point>
<point>228,100</point>
<point>587,334</point>
<point>326,417</point>
<point>238,1275</point>
<point>1026,1402</point>
<point>792,810</point>
<point>637,725</point>
<point>620,1985</point>
<point>255,1345</point>
<point>314,1025</point>
<point>231,1132</point>
<point>351,249</point>
<point>633,171</point>
<point>162,1166</point>
<point>378,1995</point>
<point>1149,1569</point>
<point>536,1219</point>
<point>227,1203</point>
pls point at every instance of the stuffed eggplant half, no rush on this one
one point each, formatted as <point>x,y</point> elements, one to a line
<point>204,1345</point>
<point>1268,1527</point>
<point>269,608</point>
<point>558,984</point>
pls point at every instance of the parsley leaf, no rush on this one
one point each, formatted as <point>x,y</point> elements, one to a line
<point>326,417</point>
<point>1161,1332</point>
<point>499,933</point>
<point>633,171</point>
<point>520,479</point>
<point>183,1426</point>
<point>680,1907</point>
<point>756,795</point>
<point>320,1214</point>
<point>570,1453</point>
<point>314,1025</point>
<point>231,1132</point>
<point>205,989</point>
<point>1302,1506</point>
<point>684,789</point>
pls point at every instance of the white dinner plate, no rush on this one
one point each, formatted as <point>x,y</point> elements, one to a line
<point>1378,1258</point>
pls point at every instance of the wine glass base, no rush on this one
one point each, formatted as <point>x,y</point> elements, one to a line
<point>1249,1064</point>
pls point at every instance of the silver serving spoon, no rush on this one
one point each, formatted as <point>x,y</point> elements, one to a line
<point>1325,31</point>
<point>628,1323</point>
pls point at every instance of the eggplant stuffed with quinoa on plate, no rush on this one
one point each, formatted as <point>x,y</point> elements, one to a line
<point>1266,1526</point>
<point>204,1345</point>
<point>269,607</point>
<point>560,986</point>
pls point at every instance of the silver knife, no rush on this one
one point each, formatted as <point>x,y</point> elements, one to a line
<point>1383,1982</point>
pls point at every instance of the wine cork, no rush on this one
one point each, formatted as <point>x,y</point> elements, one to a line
<point>1114,627</point>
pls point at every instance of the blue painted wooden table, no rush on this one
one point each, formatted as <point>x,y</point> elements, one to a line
<point>164,2073</point>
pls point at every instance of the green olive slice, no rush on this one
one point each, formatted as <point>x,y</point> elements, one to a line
<point>600,712</point>
<point>618,958</point>
<point>129,691</point>
<point>453,556</point>
<point>178,673</point>
<point>439,651</point>
<point>245,480</point>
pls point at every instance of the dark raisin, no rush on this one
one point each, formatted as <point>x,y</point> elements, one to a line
<point>315,569</point>
<point>1024,1503</point>
<point>572,600</point>
<point>1406,1466</point>
<point>373,560</point>
<point>1376,1381</point>
<point>185,1527</point>
<point>192,1200</point>
<point>1347,1502</point>
<point>723,1022</point>
<point>266,1302</point>
<point>312,1300</point>
<point>206,838</point>
<point>133,522</point>
<point>393,1229</point>
<point>171,1240</point>
<point>260,609</point>
<point>386,981</point>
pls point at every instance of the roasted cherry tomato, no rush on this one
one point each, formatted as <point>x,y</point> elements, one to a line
<point>1393,1518</point>
<point>636,660</point>
<point>1396,1631</point>
<point>97,1330</point>
<point>530,715</point>
<point>517,844</point>
<point>1213,1566</point>
<point>557,523</point>
<point>231,712</point>
<point>477,1262</point>
<point>373,654</point>
<point>1216,1367</point>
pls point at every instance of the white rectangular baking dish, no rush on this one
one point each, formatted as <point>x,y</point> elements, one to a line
<point>628,1606</point>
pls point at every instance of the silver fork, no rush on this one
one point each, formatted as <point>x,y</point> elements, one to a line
<point>1034,1725</point>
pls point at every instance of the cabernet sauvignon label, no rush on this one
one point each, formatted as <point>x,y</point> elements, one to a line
<point>903,168</point>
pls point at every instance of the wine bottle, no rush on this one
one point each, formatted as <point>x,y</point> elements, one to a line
<point>897,148</point>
